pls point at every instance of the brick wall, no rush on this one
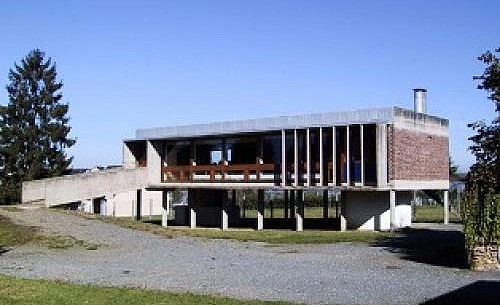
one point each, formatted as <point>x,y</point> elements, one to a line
<point>415,155</point>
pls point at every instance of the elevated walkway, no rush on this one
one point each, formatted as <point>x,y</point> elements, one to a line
<point>71,188</point>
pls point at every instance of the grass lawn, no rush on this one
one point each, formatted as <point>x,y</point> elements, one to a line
<point>12,234</point>
<point>14,291</point>
<point>267,236</point>
<point>433,213</point>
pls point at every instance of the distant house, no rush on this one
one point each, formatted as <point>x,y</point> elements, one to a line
<point>373,158</point>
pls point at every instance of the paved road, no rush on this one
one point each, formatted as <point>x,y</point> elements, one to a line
<point>392,273</point>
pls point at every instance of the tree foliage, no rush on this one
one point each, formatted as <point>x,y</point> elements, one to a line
<point>34,129</point>
<point>482,210</point>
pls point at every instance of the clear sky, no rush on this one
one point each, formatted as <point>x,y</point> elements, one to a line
<point>135,64</point>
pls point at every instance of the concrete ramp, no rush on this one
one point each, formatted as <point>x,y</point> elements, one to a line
<point>72,188</point>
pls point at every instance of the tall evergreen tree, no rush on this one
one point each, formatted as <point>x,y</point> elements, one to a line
<point>34,130</point>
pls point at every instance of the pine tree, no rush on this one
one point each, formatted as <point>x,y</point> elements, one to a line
<point>34,130</point>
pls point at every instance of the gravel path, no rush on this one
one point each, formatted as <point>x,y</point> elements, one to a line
<point>315,274</point>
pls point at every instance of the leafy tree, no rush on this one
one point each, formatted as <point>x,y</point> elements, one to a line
<point>482,210</point>
<point>34,129</point>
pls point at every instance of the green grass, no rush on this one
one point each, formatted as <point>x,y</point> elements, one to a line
<point>433,214</point>
<point>15,291</point>
<point>309,212</point>
<point>245,235</point>
<point>12,234</point>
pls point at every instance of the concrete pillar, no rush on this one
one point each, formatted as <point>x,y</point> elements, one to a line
<point>362,149</point>
<point>299,211</point>
<point>154,165</point>
<point>321,165</point>
<point>192,217</point>
<point>128,159</point>
<point>295,158</point>
<point>381,154</point>
<point>308,157</point>
<point>343,220</point>
<point>392,209</point>
<point>283,157</point>
<point>165,208</point>
<point>285,204</point>
<point>224,213</point>
<point>260,210</point>
<point>334,157</point>
<point>348,161</point>
<point>325,203</point>
<point>446,207</point>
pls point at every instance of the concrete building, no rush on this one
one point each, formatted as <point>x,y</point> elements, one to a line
<point>375,159</point>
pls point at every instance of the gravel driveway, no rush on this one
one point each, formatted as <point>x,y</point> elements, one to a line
<point>337,273</point>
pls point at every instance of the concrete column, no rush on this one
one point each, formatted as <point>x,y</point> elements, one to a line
<point>225,218</point>
<point>295,158</point>
<point>165,208</point>
<point>381,154</point>
<point>299,212</point>
<point>325,203</point>
<point>260,210</point>
<point>285,205</point>
<point>348,161</point>
<point>308,157</point>
<point>362,150</point>
<point>283,157</point>
<point>446,206</point>
<point>343,220</point>
<point>334,157</point>
<point>128,159</point>
<point>192,218</point>
<point>392,209</point>
<point>321,165</point>
<point>153,163</point>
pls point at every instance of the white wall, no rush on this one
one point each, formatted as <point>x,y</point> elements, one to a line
<point>123,204</point>
<point>370,210</point>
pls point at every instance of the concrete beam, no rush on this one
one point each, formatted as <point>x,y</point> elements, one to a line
<point>446,207</point>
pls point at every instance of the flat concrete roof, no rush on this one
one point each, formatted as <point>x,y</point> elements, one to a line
<point>366,116</point>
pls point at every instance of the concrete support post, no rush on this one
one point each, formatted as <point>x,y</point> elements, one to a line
<point>343,221</point>
<point>362,150</point>
<point>165,207</point>
<point>348,157</point>
<point>225,218</point>
<point>321,165</point>
<point>192,222</point>
<point>381,154</point>
<point>334,157</point>
<point>446,207</point>
<point>308,157</point>
<point>285,205</point>
<point>299,211</point>
<point>295,158</point>
<point>260,210</point>
<point>392,209</point>
<point>283,158</point>
<point>325,203</point>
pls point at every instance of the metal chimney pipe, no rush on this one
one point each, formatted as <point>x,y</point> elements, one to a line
<point>420,100</point>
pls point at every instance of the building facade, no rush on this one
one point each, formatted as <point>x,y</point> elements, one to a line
<point>371,160</point>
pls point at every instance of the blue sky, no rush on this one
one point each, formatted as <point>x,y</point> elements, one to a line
<point>135,64</point>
